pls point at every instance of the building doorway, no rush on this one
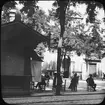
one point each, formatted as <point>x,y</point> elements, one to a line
<point>92,69</point>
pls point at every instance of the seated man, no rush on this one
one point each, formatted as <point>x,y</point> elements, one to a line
<point>47,77</point>
<point>42,83</point>
<point>90,82</point>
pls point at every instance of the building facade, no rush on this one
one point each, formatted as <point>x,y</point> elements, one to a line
<point>83,67</point>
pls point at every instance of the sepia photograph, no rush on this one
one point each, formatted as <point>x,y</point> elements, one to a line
<point>53,52</point>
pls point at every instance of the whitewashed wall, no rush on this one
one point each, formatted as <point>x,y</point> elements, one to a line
<point>84,71</point>
<point>103,65</point>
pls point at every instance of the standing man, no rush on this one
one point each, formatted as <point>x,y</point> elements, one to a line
<point>55,82</point>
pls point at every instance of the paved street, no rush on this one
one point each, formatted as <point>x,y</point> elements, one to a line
<point>67,97</point>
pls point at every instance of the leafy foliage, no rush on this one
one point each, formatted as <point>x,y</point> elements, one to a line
<point>5,18</point>
<point>40,49</point>
<point>4,15</point>
<point>29,6</point>
<point>37,21</point>
<point>91,8</point>
<point>75,38</point>
<point>10,5</point>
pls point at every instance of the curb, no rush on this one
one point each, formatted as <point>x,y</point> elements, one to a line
<point>66,93</point>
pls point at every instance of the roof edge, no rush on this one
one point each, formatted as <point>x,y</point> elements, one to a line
<point>20,22</point>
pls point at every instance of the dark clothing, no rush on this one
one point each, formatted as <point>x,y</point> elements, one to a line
<point>103,76</point>
<point>71,85</point>
<point>91,83</point>
<point>55,81</point>
<point>43,80</point>
<point>47,77</point>
<point>74,82</point>
<point>39,84</point>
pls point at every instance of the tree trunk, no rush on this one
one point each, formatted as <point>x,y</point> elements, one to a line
<point>58,71</point>
<point>59,61</point>
<point>62,24</point>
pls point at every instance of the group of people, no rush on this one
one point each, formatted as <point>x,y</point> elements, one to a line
<point>45,81</point>
<point>73,84</point>
<point>89,80</point>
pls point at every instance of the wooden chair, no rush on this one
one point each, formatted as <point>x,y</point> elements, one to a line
<point>89,88</point>
<point>32,87</point>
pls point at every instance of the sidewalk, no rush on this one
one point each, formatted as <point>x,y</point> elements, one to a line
<point>81,89</point>
<point>67,92</point>
<point>48,97</point>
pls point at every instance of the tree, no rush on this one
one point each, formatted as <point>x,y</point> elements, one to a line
<point>31,14</point>
<point>91,6</point>
<point>95,44</point>
<point>75,37</point>
<point>40,49</point>
<point>5,18</point>
<point>28,8</point>
<point>60,13</point>
<point>62,5</point>
<point>36,19</point>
